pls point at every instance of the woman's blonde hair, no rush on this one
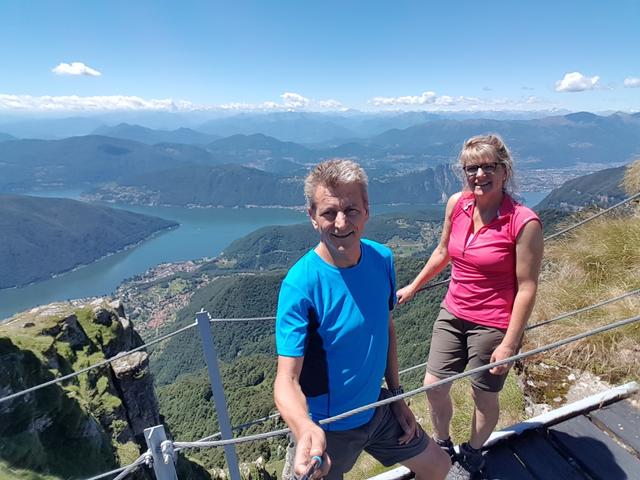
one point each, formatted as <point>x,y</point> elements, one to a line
<point>490,146</point>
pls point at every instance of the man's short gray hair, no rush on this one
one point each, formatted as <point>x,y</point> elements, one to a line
<point>332,173</point>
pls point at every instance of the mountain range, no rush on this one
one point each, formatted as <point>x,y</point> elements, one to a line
<point>93,161</point>
<point>602,188</point>
<point>305,127</point>
<point>235,185</point>
<point>150,136</point>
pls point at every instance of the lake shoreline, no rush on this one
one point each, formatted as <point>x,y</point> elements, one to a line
<point>129,246</point>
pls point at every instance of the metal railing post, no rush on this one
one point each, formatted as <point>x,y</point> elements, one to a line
<point>203,320</point>
<point>155,438</point>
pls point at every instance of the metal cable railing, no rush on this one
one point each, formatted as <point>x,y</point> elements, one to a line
<point>552,236</point>
<point>554,319</point>
<point>422,365</point>
<point>214,320</point>
<point>593,217</point>
<point>96,365</point>
<point>535,351</point>
<point>145,457</point>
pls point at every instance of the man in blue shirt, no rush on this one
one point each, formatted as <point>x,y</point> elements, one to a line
<point>336,340</point>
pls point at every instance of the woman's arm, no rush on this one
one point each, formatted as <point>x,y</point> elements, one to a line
<point>437,261</point>
<point>529,248</point>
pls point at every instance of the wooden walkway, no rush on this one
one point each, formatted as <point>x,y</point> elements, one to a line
<point>595,439</point>
<point>602,444</point>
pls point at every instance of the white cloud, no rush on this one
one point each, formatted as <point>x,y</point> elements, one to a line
<point>96,103</point>
<point>75,68</point>
<point>28,103</point>
<point>289,102</point>
<point>632,82</point>
<point>294,101</point>
<point>331,105</point>
<point>576,82</point>
<point>431,101</point>
<point>425,99</point>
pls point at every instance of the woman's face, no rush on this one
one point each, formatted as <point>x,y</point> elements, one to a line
<point>485,177</point>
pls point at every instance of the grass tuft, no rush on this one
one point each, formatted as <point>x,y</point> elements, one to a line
<point>631,182</point>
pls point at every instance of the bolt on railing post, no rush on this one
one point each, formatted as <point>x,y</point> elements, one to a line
<point>155,437</point>
<point>203,320</point>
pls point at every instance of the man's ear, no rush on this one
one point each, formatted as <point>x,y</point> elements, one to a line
<point>312,213</point>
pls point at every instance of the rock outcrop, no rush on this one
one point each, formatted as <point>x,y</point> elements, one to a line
<point>91,423</point>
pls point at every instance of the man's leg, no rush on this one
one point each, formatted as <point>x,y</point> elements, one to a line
<point>485,416</point>
<point>343,448</point>
<point>432,463</point>
<point>441,410</point>
<point>420,454</point>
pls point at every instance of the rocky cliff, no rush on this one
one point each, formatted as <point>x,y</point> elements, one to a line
<point>89,424</point>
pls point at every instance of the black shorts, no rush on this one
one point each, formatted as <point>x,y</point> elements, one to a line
<point>379,438</point>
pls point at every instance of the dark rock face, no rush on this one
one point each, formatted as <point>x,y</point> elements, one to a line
<point>132,378</point>
<point>91,423</point>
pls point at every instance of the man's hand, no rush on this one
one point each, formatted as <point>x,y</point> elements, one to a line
<point>405,294</point>
<point>407,421</point>
<point>500,353</point>
<point>311,442</point>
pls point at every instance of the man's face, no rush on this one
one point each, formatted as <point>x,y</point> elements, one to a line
<point>339,216</point>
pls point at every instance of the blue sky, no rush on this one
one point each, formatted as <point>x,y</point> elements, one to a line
<point>319,55</point>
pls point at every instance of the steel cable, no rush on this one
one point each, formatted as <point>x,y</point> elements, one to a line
<point>97,365</point>
<point>552,236</point>
<point>551,346</point>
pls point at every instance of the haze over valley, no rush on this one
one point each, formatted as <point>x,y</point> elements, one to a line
<point>155,170</point>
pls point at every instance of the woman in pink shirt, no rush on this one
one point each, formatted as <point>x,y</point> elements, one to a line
<point>495,248</point>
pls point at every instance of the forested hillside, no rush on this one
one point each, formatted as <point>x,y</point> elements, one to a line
<point>236,185</point>
<point>280,246</point>
<point>602,188</point>
<point>45,236</point>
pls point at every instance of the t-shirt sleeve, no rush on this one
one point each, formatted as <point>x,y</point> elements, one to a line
<point>392,279</point>
<point>523,215</point>
<point>292,320</point>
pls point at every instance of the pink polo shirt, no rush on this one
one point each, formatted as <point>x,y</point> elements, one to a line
<point>483,266</point>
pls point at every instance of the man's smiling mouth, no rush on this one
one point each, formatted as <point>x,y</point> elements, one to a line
<point>338,235</point>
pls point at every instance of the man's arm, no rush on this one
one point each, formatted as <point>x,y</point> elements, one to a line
<point>400,409</point>
<point>292,404</point>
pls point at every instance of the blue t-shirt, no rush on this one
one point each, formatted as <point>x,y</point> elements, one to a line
<point>338,319</point>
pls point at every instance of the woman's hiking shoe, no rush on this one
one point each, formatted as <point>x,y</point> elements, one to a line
<point>469,464</point>
<point>447,446</point>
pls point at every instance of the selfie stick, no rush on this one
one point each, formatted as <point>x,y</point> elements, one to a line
<point>316,463</point>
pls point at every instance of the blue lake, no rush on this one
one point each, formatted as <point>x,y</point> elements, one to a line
<point>202,233</point>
